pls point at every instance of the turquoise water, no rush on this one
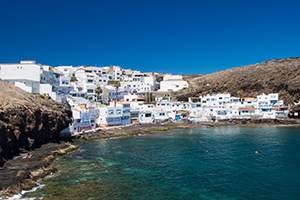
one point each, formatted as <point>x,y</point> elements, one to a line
<point>201,163</point>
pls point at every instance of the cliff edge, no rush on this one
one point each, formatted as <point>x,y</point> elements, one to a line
<point>27,121</point>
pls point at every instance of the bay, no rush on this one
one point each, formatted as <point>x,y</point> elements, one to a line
<point>230,162</point>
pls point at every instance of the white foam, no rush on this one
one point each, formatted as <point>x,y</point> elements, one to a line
<point>18,196</point>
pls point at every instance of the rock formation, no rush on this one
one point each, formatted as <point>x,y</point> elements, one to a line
<point>275,76</point>
<point>28,121</point>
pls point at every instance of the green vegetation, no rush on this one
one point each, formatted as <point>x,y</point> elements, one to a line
<point>42,96</point>
<point>98,91</point>
<point>160,129</point>
<point>117,84</point>
<point>73,78</point>
<point>240,92</point>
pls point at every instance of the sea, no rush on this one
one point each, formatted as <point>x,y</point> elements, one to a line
<point>229,162</point>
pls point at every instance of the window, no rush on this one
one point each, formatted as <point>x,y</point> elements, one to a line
<point>161,114</point>
<point>148,115</point>
<point>90,91</point>
<point>117,119</point>
<point>110,112</point>
<point>118,112</point>
<point>109,120</point>
<point>90,81</point>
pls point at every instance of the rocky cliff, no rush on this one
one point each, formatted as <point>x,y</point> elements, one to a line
<point>27,120</point>
<point>275,76</point>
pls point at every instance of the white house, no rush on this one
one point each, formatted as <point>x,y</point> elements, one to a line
<point>146,116</point>
<point>115,114</point>
<point>161,115</point>
<point>26,72</point>
<point>85,114</point>
<point>172,82</point>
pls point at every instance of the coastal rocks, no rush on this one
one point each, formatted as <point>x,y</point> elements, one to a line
<point>64,151</point>
<point>27,121</point>
<point>42,172</point>
<point>21,174</point>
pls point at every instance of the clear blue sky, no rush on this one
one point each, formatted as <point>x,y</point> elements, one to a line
<point>166,36</point>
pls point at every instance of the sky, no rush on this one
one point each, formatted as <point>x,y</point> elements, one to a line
<point>164,36</point>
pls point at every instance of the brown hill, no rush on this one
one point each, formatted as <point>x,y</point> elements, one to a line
<point>27,121</point>
<point>275,76</point>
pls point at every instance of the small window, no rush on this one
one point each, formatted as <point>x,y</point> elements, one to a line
<point>117,119</point>
<point>90,91</point>
<point>110,112</point>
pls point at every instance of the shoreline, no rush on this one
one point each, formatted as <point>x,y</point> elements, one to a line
<point>22,174</point>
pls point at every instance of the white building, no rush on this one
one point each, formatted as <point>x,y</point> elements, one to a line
<point>138,82</point>
<point>173,83</point>
<point>115,114</point>
<point>85,114</point>
<point>26,72</point>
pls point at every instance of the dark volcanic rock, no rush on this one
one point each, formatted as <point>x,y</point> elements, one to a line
<point>27,121</point>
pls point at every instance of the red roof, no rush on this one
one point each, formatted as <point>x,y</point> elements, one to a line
<point>246,109</point>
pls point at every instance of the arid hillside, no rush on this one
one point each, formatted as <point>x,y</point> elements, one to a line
<point>275,76</point>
